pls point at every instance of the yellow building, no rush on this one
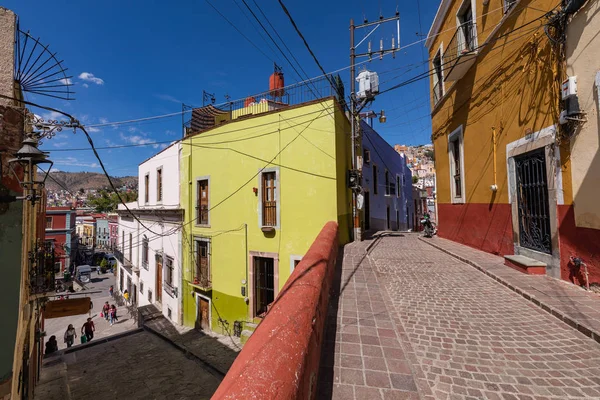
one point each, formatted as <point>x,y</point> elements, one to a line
<point>503,160</point>
<point>256,192</point>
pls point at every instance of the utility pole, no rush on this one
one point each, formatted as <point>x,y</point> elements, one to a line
<point>356,105</point>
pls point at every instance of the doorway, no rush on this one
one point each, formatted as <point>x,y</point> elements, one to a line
<point>367,212</point>
<point>387,218</point>
<point>397,220</point>
<point>202,314</point>
<point>159,274</point>
<point>532,201</point>
<point>264,284</point>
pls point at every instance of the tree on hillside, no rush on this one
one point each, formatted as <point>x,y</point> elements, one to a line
<point>107,202</point>
<point>415,179</point>
<point>429,154</point>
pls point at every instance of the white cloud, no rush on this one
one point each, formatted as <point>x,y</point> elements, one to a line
<point>74,162</point>
<point>91,129</point>
<point>66,81</point>
<point>167,97</point>
<point>85,85</point>
<point>138,139</point>
<point>52,116</point>
<point>89,77</point>
<point>59,144</point>
<point>170,133</point>
<point>103,120</point>
<point>163,146</point>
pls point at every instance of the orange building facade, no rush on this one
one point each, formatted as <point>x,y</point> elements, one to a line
<point>502,158</point>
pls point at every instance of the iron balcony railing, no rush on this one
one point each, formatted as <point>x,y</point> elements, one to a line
<point>212,115</point>
<point>41,268</point>
<point>463,42</point>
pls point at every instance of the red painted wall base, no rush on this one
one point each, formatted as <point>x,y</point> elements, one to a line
<point>577,242</point>
<point>486,227</point>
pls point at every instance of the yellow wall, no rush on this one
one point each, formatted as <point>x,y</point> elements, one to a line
<point>512,87</point>
<point>309,145</point>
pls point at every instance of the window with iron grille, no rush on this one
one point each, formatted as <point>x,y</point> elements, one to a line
<point>130,247</point>
<point>146,188</point>
<point>269,199</point>
<point>202,193</point>
<point>456,159</point>
<point>366,155</point>
<point>264,284</point>
<point>437,76</point>
<point>159,185</point>
<point>387,182</point>
<point>398,185</point>
<point>48,222</point>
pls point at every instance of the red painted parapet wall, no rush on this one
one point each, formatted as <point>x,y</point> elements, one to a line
<point>281,358</point>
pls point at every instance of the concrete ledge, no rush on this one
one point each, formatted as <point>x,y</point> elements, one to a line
<point>281,358</point>
<point>526,265</point>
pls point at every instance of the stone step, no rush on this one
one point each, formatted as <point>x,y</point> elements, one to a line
<point>250,326</point>
<point>245,336</point>
<point>526,265</point>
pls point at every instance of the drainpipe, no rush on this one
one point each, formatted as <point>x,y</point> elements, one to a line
<point>494,187</point>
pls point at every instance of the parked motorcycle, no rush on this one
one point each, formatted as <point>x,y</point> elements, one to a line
<point>428,226</point>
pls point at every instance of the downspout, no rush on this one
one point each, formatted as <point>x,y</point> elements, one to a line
<point>494,187</point>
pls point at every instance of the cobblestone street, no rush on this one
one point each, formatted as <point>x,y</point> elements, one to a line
<point>414,322</point>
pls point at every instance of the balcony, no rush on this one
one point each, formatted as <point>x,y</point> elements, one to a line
<point>125,263</point>
<point>461,53</point>
<point>202,282</point>
<point>41,269</point>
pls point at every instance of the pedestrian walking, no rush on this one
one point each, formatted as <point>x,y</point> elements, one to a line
<point>88,329</point>
<point>110,290</point>
<point>51,345</point>
<point>91,307</point>
<point>106,311</point>
<point>70,335</point>
<point>113,314</point>
<point>126,295</point>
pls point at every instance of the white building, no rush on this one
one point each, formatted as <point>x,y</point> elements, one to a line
<point>150,243</point>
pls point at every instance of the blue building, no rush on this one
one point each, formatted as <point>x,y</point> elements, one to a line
<point>102,233</point>
<point>387,184</point>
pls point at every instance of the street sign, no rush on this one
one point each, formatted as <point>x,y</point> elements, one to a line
<point>67,307</point>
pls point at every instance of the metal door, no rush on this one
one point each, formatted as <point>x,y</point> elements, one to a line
<point>532,201</point>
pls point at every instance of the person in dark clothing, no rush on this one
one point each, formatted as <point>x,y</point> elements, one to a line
<point>88,329</point>
<point>51,345</point>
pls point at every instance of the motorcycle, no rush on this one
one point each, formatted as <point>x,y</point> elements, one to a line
<point>428,226</point>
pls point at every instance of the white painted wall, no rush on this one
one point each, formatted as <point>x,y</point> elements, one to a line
<point>162,232</point>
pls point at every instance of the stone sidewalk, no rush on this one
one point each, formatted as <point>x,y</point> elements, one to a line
<point>413,322</point>
<point>569,303</point>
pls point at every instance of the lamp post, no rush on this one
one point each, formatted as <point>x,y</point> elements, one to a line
<point>30,159</point>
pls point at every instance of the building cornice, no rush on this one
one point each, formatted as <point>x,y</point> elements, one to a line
<point>176,213</point>
<point>437,22</point>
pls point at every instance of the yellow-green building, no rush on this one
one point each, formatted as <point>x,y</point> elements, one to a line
<point>257,188</point>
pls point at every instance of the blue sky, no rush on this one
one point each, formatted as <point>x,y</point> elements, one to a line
<point>134,59</point>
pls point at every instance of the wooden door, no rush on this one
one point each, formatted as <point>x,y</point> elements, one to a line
<point>202,317</point>
<point>202,273</point>
<point>268,199</point>
<point>264,284</point>
<point>159,278</point>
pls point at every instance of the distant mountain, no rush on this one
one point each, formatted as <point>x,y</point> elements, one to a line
<point>74,181</point>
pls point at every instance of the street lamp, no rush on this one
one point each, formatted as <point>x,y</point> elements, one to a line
<point>30,159</point>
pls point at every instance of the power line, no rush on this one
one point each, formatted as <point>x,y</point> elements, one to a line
<point>238,31</point>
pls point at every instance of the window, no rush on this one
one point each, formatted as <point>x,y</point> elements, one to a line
<point>467,29</point>
<point>123,241</point>
<point>202,202</point>
<point>145,250</point>
<point>146,188</point>
<point>269,199</point>
<point>142,287</point>
<point>202,271</point>
<point>264,284</point>
<point>159,184</point>
<point>375,183</point>
<point>398,191</point>
<point>438,77</point>
<point>169,313</point>
<point>122,273</point>
<point>366,156</point>
<point>149,296</point>
<point>456,158</point>
<point>169,271</point>
<point>48,222</point>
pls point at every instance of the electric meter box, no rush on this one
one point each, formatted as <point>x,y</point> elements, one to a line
<point>569,87</point>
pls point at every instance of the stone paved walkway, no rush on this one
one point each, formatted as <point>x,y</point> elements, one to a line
<point>574,305</point>
<point>414,322</point>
